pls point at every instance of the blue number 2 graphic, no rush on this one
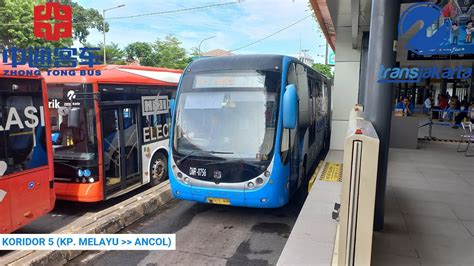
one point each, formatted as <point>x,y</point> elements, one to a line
<point>428,14</point>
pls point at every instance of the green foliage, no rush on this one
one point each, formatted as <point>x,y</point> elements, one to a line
<point>141,51</point>
<point>85,19</point>
<point>170,53</point>
<point>115,55</point>
<point>16,24</point>
<point>324,69</point>
<point>166,53</point>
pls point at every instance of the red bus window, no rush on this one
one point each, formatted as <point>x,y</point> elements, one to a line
<point>22,131</point>
<point>73,125</point>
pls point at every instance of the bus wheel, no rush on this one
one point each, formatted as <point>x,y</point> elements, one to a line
<point>158,169</point>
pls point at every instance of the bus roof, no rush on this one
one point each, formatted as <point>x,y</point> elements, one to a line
<point>237,62</point>
<point>244,62</point>
<point>6,70</point>
<point>121,74</point>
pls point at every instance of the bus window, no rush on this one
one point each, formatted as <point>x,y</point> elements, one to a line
<point>238,119</point>
<point>22,138</point>
<point>74,140</point>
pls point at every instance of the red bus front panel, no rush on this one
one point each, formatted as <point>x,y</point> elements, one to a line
<point>25,152</point>
<point>34,202</point>
<point>92,192</point>
<point>5,207</point>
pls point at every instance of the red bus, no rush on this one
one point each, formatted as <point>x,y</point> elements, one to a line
<point>109,131</point>
<point>26,165</point>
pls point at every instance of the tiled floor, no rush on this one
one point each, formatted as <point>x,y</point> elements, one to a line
<point>429,217</point>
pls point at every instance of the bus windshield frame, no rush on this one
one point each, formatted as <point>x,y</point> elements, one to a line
<point>74,128</point>
<point>228,115</point>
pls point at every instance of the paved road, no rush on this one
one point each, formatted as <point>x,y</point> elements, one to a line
<point>208,234</point>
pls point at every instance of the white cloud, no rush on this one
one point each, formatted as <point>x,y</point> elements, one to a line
<point>233,25</point>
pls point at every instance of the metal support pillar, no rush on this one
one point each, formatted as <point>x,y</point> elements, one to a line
<point>379,96</point>
<point>364,51</point>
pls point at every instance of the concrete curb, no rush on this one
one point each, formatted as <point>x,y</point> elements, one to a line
<point>108,221</point>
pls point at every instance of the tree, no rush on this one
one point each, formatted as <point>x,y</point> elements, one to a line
<point>84,19</point>
<point>114,54</point>
<point>141,51</point>
<point>324,69</point>
<point>161,53</point>
<point>16,24</point>
<point>170,54</point>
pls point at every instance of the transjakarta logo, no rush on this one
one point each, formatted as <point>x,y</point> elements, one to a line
<point>416,74</point>
<point>33,117</point>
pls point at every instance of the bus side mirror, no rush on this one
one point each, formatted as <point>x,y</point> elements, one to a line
<point>73,117</point>
<point>172,106</point>
<point>290,107</point>
<point>3,168</point>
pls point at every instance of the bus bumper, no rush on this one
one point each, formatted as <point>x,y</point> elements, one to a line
<point>82,192</point>
<point>269,196</point>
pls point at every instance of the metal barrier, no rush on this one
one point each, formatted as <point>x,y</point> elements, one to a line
<point>358,191</point>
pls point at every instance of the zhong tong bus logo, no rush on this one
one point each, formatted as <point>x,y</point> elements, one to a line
<point>61,28</point>
<point>52,22</point>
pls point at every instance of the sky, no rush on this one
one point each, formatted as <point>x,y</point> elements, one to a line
<point>233,25</point>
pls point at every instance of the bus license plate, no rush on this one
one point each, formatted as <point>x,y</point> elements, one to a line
<point>218,201</point>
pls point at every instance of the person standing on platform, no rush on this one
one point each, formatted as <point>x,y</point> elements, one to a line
<point>427,105</point>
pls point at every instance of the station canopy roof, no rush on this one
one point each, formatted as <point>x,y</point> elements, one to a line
<point>323,16</point>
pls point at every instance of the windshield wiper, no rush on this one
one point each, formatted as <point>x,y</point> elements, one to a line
<point>220,152</point>
<point>185,157</point>
<point>207,152</point>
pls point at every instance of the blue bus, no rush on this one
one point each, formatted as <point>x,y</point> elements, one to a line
<point>247,130</point>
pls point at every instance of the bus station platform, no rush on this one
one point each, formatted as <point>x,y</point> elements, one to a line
<point>429,218</point>
<point>313,237</point>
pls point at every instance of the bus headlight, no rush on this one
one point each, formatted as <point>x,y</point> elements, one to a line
<point>250,185</point>
<point>91,180</point>
<point>267,173</point>
<point>87,173</point>
<point>259,181</point>
<point>186,180</point>
<point>180,175</point>
<point>84,180</point>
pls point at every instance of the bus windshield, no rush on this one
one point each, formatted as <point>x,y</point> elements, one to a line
<point>22,132</point>
<point>228,115</point>
<point>73,122</point>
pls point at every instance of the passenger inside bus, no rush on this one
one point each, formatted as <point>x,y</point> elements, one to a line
<point>74,139</point>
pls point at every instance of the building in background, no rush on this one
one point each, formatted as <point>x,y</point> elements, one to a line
<point>305,57</point>
<point>216,52</point>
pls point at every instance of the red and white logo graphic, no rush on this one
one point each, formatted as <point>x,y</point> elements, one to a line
<point>44,28</point>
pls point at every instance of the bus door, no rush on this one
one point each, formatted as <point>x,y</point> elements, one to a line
<point>121,147</point>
